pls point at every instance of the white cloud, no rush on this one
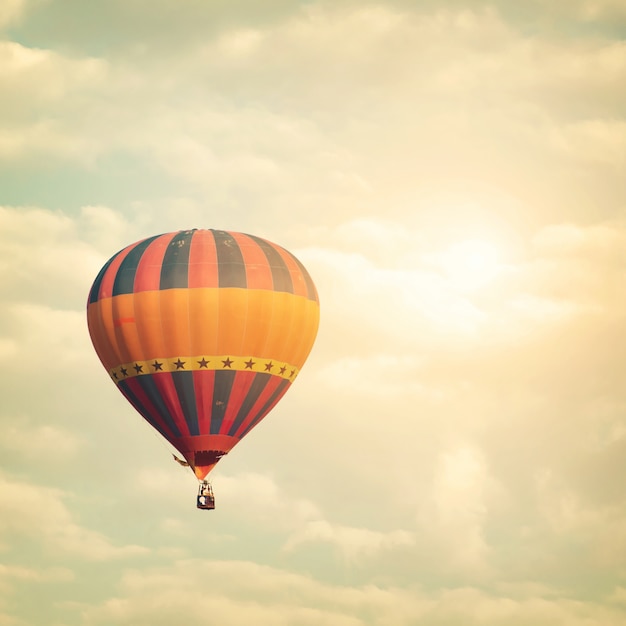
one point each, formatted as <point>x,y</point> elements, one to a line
<point>599,141</point>
<point>257,498</point>
<point>599,242</point>
<point>107,230</point>
<point>413,296</point>
<point>353,544</point>
<point>16,574</point>
<point>48,258</point>
<point>264,502</point>
<point>594,9</point>
<point>50,264</point>
<point>385,302</point>
<point>38,113</point>
<point>11,11</point>
<point>578,267</point>
<point>278,87</point>
<point>67,347</point>
<point>43,443</point>
<point>378,375</point>
<point>561,507</point>
<point>57,531</point>
<point>476,51</point>
<point>569,512</point>
<point>454,516</point>
<point>8,620</point>
<point>14,578</point>
<point>239,593</point>
<point>541,311</point>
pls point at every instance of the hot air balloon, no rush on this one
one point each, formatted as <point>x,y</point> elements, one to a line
<point>203,332</point>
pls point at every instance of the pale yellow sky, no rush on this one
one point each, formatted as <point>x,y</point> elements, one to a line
<point>452,176</point>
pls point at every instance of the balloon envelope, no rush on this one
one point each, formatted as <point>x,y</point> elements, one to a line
<point>203,331</point>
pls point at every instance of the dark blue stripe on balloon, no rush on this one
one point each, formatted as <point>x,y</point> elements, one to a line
<point>143,410</point>
<point>183,381</point>
<point>230,266</point>
<point>175,267</point>
<point>223,385</point>
<point>94,293</point>
<point>266,407</point>
<point>154,394</point>
<point>258,385</point>
<point>311,292</point>
<point>125,277</point>
<point>281,276</point>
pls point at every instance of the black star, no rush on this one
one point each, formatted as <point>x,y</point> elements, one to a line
<point>292,373</point>
<point>124,371</point>
<point>157,366</point>
<point>203,363</point>
<point>115,375</point>
<point>249,364</point>
<point>138,368</point>
<point>227,362</point>
<point>269,366</point>
<point>283,369</point>
<point>180,365</point>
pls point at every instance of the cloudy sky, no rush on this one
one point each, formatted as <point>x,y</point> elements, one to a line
<point>452,175</point>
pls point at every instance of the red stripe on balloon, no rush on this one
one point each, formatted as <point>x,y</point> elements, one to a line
<point>297,278</point>
<point>142,402</point>
<point>241,387</point>
<point>108,280</point>
<point>203,270</point>
<point>255,411</point>
<point>280,392</point>
<point>204,382</point>
<point>167,389</point>
<point>148,275</point>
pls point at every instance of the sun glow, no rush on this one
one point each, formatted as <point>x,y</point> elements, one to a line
<point>470,264</point>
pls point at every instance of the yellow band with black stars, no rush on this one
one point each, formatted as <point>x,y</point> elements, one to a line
<point>199,363</point>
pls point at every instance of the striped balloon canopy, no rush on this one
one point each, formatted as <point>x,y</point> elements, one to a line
<point>203,331</point>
